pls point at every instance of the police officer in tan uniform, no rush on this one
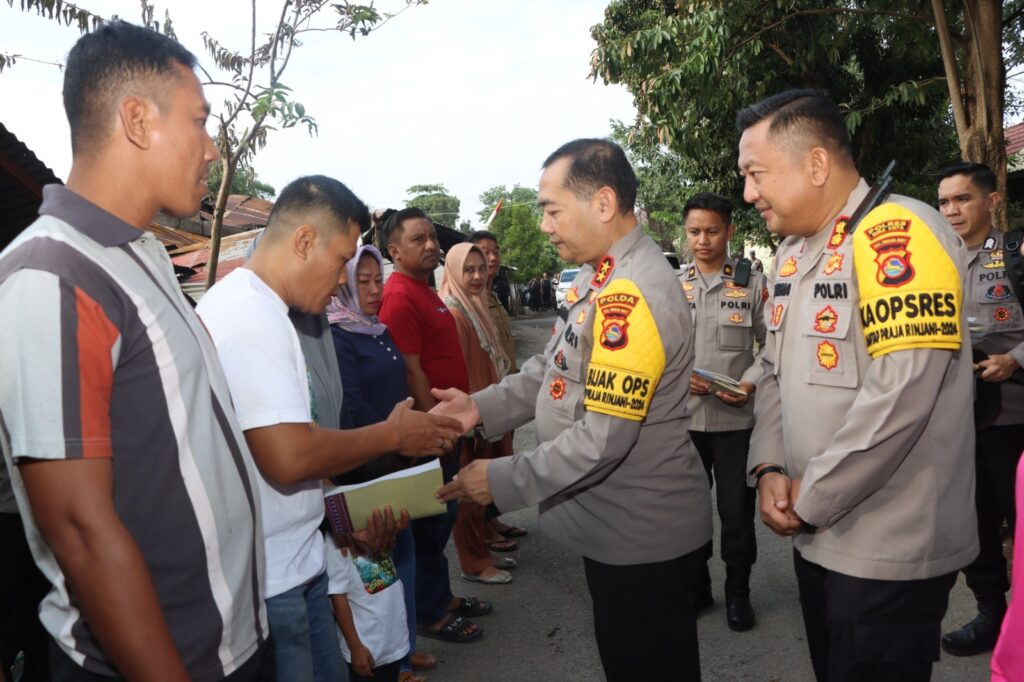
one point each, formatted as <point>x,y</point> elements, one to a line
<point>728,320</point>
<point>863,420</point>
<point>614,473</point>
<point>967,195</point>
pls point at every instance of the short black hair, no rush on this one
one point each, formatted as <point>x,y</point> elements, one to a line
<point>480,235</point>
<point>597,163</point>
<point>804,111</point>
<point>318,193</point>
<point>109,63</point>
<point>709,201</point>
<point>979,174</point>
<point>393,226</point>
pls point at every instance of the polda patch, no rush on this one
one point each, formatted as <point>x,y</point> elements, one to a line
<point>828,355</point>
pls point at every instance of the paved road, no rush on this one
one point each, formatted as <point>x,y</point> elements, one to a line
<point>541,626</point>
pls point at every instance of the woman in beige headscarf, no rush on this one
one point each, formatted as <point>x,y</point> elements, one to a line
<point>462,289</point>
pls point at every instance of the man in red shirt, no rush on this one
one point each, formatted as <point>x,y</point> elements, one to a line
<point>424,331</point>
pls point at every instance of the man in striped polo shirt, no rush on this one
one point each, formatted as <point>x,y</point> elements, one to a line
<point>136,487</point>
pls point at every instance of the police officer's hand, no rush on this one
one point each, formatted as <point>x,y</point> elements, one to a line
<point>456,404</point>
<point>737,400</point>
<point>699,386</point>
<point>998,368</point>
<point>776,506</point>
<point>418,434</point>
<point>469,484</point>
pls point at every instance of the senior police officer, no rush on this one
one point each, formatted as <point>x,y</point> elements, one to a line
<point>614,473</point>
<point>967,195</point>
<point>728,318</point>
<point>862,427</point>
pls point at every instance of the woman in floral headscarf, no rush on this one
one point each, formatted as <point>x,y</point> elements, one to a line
<point>462,289</point>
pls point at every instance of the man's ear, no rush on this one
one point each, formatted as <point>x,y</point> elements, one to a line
<point>820,164</point>
<point>136,119</point>
<point>994,199</point>
<point>605,204</point>
<point>393,252</point>
<point>304,241</point>
<point>730,232</point>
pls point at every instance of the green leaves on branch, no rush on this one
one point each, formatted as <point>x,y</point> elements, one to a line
<point>274,103</point>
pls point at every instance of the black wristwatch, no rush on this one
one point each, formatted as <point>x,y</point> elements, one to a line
<point>770,469</point>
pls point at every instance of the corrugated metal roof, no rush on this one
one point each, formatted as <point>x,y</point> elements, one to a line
<point>174,239</point>
<point>1014,139</point>
<point>241,211</point>
<point>233,249</point>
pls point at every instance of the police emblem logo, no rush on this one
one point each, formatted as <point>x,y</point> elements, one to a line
<point>572,296</point>
<point>839,232</point>
<point>828,355</point>
<point>604,271</point>
<point>998,292</point>
<point>889,240</point>
<point>825,320</point>
<point>833,264</point>
<point>788,268</point>
<point>1001,314</point>
<point>996,254</point>
<point>615,308</point>
<point>736,318</point>
<point>557,388</point>
<point>776,314</point>
<point>736,293</point>
<point>560,362</point>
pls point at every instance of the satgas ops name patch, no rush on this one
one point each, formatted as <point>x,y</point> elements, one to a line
<point>903,307</point>
<point>628,358</point>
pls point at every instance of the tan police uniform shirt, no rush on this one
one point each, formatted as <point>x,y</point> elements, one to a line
<point>997,321</point>
<point>614,474</point>
<point>728,322</point>
<point>867,393</point>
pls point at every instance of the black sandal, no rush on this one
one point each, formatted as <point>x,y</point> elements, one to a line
<point>472,607</point>
<point>453,630</point>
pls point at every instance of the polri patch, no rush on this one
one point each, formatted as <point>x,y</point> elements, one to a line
<point>998,292</point>
<point>825,320</point>
<point>833,264</point>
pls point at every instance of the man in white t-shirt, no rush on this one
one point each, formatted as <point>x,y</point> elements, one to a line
<point>299,264</point>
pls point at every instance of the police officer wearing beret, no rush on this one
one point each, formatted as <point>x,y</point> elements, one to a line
<point>863,424</point>
<point>614,473</point>
<point>728,320</point>
<point>967,195</point>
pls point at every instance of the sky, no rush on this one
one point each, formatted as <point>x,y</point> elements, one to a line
<point>465,93</point>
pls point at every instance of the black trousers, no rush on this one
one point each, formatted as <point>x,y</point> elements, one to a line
<point>861,630</point>
<point>997,450</point>
<point>388,672</point>
<point>644,623</point>
<point>724,455</point>
<point>259,668</point>
<point>22,587</point>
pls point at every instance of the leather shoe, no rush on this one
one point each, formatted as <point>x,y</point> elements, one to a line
<point>739,614</point>
<point>978,636</point>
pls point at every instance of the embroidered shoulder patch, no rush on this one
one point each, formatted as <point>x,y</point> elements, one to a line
<point>902,304</point>
<point>628,357</point>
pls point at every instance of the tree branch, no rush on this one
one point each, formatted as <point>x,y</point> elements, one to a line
<point>1013,16</point>
<point>952,73</point>
<point>252,65</point>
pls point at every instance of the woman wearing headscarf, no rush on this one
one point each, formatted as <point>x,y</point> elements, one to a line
<point>462,289</point>
<point>373,380</point>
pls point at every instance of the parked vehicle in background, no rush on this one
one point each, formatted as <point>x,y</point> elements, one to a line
<point>564,282</point>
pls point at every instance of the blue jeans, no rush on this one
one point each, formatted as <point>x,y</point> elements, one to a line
<point>404,556</point>
<point>304,634</point>
<point>433,588</point>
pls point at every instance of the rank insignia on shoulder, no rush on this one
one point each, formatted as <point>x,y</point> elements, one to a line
<point>833,264</point>
<point>572,296</point>
<point>557,388</point>
<point>727,270</point>
<point>604,271</point>
<point>828,355</point>
<point>692,272</point>
<point>990,243</point>
<point>560,361</point>
<point>839,233</point>
<point>788,268</point>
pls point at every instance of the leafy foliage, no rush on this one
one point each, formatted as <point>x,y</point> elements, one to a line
<point>523,246</point>
<point>517,195</point>
<point>245,181</point>
<point>436,202</point>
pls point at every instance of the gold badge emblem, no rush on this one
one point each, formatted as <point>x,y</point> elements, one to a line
<point>828,355</point>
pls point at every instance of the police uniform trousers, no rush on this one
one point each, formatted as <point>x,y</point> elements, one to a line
<point>871,630</point>
<point>724,454</point>
<point>644,621</point>
<point>997,450</point>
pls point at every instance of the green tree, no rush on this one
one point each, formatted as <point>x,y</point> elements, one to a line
<point>436,202</point>
<point>245,181</point>
<point>691,66</point>
<point>523,246</point>
<point>517,195</point>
